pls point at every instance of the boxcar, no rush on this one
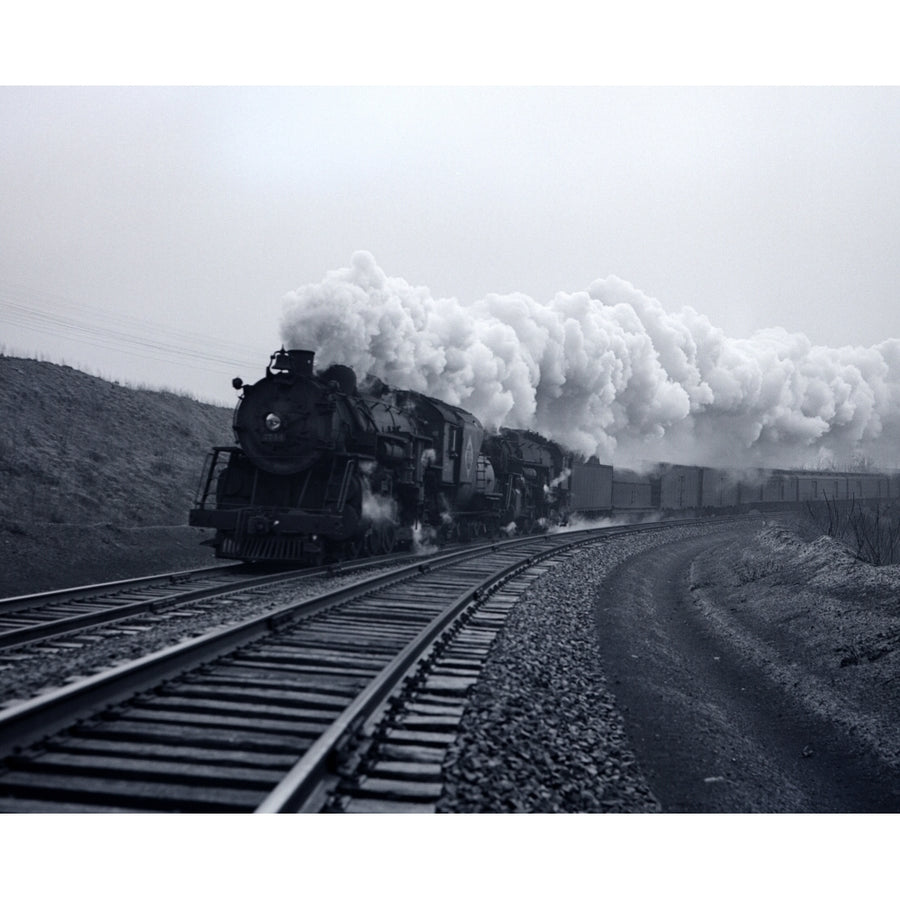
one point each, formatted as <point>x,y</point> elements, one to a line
<point>679,487</point>
<point>893,485</point>
<point>780,487</point>
<point>865,486</point>
<point>819,486</point>
<point>750,490</point>
<point>631,490</point>
<point>590,487</point>
<point>719,488</point>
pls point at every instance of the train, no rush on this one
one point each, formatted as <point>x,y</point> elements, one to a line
<point>326,468</point>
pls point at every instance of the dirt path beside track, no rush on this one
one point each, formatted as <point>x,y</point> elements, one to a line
<point>722,709</point>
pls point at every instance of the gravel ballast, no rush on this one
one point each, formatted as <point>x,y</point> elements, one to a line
<point>542,732</point>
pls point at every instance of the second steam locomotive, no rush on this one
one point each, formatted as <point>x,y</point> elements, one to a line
<point>324,468</point>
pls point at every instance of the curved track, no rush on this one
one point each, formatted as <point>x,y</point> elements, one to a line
<point>338,700</point>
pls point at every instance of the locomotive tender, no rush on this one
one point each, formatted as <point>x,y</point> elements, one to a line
<point>325,468</point>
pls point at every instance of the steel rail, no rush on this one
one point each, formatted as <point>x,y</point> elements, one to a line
<point>31,720</point>
<point>30,633</point>
<point>303,782</point>
<point>303,779</point>
<point>27,634</point>
<point>27,601</point>
<point>66,625</point>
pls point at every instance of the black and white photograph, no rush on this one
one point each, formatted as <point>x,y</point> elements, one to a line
<point>383,436</point>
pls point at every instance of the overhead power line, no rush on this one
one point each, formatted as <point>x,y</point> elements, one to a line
<point>63,318</point>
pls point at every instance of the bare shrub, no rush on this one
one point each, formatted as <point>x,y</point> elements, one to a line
<point>876,532</point>
<point>872,532</point>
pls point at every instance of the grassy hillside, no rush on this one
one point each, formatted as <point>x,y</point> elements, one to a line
<point>78,449</point>
<point>96,479</point>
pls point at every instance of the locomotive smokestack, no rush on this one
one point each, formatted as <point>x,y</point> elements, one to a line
<point>302,361</point>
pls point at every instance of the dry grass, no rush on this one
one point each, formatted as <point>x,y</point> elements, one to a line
<point>820,621</point>
<point>77,449</point>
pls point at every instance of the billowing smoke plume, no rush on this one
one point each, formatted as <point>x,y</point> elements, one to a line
<point>608,371</point>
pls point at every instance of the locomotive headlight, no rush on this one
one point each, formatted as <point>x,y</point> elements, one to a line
<point>273,421</point>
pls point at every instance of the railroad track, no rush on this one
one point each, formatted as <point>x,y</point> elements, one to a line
<point>33,617</point>
<point>273,714</point>
<point>55,614</point>
<point>343,701</point>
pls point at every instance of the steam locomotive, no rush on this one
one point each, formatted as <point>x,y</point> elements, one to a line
<point>325,468</point>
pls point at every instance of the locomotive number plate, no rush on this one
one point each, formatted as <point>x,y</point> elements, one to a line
<point>273,438</point>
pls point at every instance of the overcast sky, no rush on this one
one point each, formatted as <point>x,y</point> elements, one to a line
<point>152,233</point>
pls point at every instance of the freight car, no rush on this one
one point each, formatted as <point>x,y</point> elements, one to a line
<point>589,486</point>
<point>633,491</point>
<point>326,468</point>
<point>703,490</point>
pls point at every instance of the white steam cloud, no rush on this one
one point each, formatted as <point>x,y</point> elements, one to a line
<point>608,371</point>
